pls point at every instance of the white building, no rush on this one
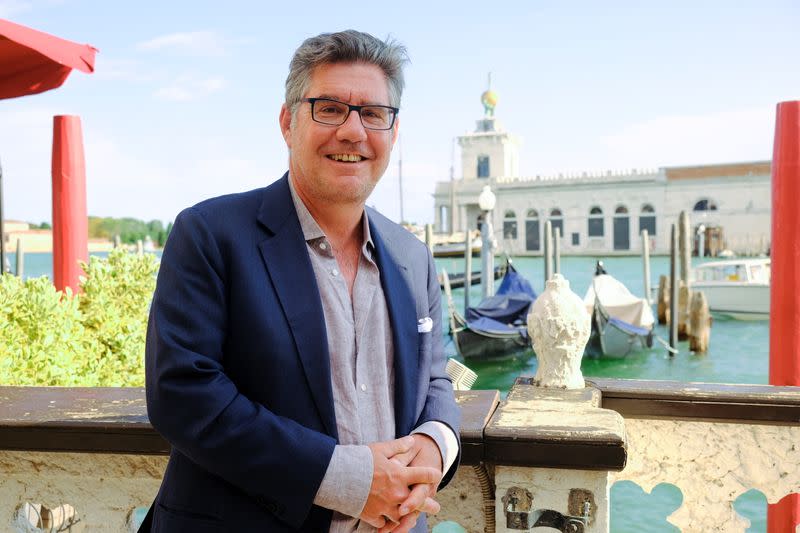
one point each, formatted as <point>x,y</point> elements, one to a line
<point>602,213</point>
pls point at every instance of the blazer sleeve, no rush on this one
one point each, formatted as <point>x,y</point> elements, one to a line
<point>440,404</point>
<point>197,407</point>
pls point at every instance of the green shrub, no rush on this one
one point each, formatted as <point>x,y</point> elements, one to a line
<point>93,338</point>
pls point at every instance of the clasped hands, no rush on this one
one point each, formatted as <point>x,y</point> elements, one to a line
<point>405,475</point>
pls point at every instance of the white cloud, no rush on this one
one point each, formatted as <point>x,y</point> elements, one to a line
<point>12,7</point>
<point>202,43</point>
<point>727,136</point>
<point>26,144</point>
<point>186,88</point>
<point>121,70</point>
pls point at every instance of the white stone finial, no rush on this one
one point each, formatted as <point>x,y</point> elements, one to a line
<point>559,326</point>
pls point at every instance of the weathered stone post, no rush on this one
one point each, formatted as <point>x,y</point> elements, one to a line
<point>552,444</point>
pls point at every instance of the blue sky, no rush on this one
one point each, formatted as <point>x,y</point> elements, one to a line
<point>185,98</point>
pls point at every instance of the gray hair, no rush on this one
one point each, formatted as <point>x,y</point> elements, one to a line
<point>347,46</point>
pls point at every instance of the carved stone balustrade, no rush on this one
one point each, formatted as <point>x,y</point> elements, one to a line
<point>93,449</point>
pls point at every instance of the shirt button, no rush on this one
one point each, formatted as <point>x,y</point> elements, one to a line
<point>335,272</point>
<point>323,246</point>
<point>363,388</point>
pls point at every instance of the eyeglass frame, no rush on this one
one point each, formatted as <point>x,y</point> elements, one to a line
<point>351,108</point>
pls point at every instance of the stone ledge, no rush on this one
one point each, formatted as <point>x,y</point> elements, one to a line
<point>555,428</point>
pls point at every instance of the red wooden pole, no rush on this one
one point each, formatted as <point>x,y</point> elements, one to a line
<point>784,309</point>
<point>70,221</point>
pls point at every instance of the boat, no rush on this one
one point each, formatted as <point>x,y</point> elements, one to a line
<point>456,249</point>
<point>497,327</point>
<point>457,279</point>
<point>737,288</point>
<point>622,323</point>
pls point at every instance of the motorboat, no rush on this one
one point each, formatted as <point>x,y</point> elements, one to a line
<point>622,323</point>
<point>737,288</point>
<point>497,327</point>
<point>456,249</point>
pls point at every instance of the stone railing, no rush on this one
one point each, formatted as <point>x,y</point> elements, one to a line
<point>90,456</point>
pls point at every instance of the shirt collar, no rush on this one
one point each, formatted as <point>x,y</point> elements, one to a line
<point>311,229</point>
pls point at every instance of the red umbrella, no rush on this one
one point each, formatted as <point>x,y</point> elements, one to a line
<point>33,62</point>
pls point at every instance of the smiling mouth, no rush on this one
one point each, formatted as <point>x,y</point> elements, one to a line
<point>346,158</point>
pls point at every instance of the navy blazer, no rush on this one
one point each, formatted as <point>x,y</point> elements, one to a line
<point>237,366</point>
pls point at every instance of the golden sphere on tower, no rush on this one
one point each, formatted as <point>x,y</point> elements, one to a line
<point>489,101</point>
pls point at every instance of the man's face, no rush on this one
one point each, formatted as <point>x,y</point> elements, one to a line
<point>320,173</point>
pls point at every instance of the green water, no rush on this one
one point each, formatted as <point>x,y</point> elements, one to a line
<point>738,353</point>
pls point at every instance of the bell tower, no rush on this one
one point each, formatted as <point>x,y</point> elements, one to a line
<point>489,151</point>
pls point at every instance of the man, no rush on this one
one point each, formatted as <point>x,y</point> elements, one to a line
<point>294,350</point>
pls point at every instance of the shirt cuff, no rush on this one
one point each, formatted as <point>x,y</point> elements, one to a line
<point>347,481</point>
<point>445,439</point>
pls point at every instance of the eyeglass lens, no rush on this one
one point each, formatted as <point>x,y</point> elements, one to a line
<point>335,113</point>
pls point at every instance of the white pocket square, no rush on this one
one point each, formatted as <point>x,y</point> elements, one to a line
<point>424,325</point>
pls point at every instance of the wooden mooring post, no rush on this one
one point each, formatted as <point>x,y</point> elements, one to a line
<point>673,296</point>
<point>556,250</point>
<point>20,258</point>
<point>467,268</point>
<point>646,265</point>
<point>548,251</point>
<point>429,236</point>
<point>700,323</point>
<point>685,259</point>
<point>663,299</point>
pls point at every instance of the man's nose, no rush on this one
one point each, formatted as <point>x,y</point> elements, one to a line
<point>352,130</point>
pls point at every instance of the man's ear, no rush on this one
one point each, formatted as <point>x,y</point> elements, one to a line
<point>285,120</point>
<point>395,130</point>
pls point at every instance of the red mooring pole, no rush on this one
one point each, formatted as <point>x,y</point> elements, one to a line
<point>784,308</point>
<point>70,221</point>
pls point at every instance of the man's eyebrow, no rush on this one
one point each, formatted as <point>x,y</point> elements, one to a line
<point>337,99</point>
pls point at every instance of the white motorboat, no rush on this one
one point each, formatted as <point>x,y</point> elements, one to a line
<point>738,288</point>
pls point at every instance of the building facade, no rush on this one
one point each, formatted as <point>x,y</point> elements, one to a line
<point>603,213</point>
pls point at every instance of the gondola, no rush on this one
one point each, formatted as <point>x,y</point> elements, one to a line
<point>497,327</point>
<point>621,323</point>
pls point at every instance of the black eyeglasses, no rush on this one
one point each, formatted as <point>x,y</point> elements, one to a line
<point>335,113</point>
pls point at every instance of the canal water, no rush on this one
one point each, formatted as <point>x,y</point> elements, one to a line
<point>738,353</point>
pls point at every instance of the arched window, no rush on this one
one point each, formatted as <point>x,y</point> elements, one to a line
<point>647,220</point>
<point>596,222</point>
<point>622,228</point>
<point>532,237</point>
<point>510,225</point>
<point>705,205</point>
<point>557,221</point>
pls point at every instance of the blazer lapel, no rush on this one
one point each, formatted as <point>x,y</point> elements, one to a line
<point>289,267</point>
<point>403,317</point>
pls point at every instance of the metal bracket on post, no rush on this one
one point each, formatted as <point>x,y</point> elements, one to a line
<point>519,515</point>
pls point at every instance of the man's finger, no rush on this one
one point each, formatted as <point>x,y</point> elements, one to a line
<point>414,475</point>
<point>407,522</point>
<point>415,500</point>
<point>404,458</point>
<point>394,447</point>
<point>375,521</point>
<point>430,506</point>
